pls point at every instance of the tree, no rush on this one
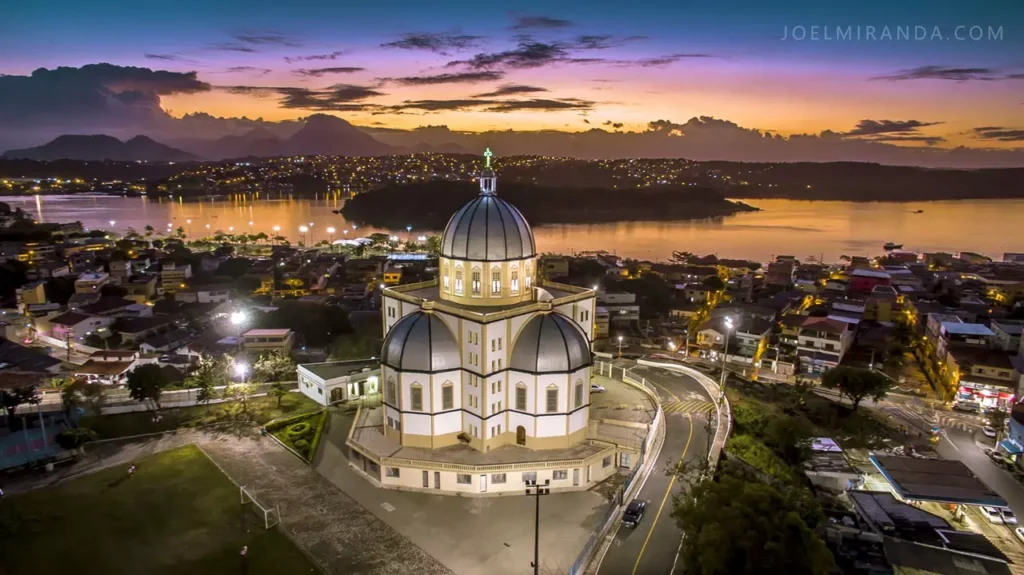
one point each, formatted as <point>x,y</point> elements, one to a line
<point>789,437</point>
<point>273,367</point>
<point>856,384</point>
<point>278,390</point>
<point>12,398</point>
<point>997,420</point>
<point>354,347</point>
<point>434,246</point>
<point>75,438</point>
<point>713,283</point>
<point>736,527</point>
<point>208,374</point>
<point>146,383</point>
<point>241,392</point>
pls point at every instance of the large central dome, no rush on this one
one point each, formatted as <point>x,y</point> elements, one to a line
<point>488,229</point>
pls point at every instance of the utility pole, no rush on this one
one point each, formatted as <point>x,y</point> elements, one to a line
<point>67,344</point>
<point>538,491</point>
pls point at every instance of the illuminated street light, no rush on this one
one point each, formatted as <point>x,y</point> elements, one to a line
<point>112,222</point>
<point>240,370</point>
<point>620,346</point>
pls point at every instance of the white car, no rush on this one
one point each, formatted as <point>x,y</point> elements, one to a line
<point>1019,532</point>
<point>992,514</point>
<point>989,431</point>
<point>1008,517</point>
<point>595,388</point>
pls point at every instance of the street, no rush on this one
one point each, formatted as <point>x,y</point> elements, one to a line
<point>652,546</point>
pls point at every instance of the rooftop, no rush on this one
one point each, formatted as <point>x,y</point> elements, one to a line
<point>267,333</point>
<point>863,273</point>
<point>93,367</point>
<point>334,369</point>
<point>939,480</point>
<point>24,358</point>
<point>966,329</point>
<point>69,319</point>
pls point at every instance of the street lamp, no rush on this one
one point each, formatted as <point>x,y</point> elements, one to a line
<point>330,234</point>
<point>189,222</point>
<point>240,370</point>
<point>238,319</point>
<point>725,359</point>
<point>250,227</point>
<point>532,488</point>
<point>408,230</point>
<point>672,346</point>
<point>620,346</point>
<point>112,222</point>
<point>303,230</point>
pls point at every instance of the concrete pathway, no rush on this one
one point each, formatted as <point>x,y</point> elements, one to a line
<point>470,535</point>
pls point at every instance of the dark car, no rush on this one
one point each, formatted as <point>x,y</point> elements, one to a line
<point>634,513</point>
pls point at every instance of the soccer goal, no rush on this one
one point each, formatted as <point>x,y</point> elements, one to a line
<point>269,516</point>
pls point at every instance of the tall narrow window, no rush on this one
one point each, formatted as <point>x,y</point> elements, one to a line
<point>392,391</point>
<point>552,400</point>
<point>447,397</point>
<point>527,279</point>
<point>476,283</point>
<point>521,397</point>
<point>495,282</point>
<point>579,393</point>
<point>458,281</point>
<point>515,282</point>
<point>417,398</point>
<point>446,280</point>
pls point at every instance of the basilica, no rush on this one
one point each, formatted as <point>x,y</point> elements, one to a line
<point>485,371</point>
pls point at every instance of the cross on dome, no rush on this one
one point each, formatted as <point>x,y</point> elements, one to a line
<point>487,156</point>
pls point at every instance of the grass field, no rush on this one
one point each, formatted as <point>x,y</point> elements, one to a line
<point>260,410</point>
<point>178,514</point>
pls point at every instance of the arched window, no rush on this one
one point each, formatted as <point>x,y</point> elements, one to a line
<point>458,280</point>
<point>416,395</point>
<point>579,393</point>
<point>392,395</point>
<point>552,399</point>
<point>476,282</point>
<point>514,284</point>
<point>447,396</point>
<point>445,278</point>
<point>527,276</point>
<point>496,281</point>
<point>520,397</point>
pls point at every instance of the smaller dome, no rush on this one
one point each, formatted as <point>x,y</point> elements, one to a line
<point>420,342</point>
<point>550,343</point>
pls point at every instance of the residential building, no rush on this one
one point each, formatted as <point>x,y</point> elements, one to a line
<point>863,281</point>
<point>601,323</point>
<point>112,306</point>
<point>747,338</point>
<point>108,367</point>
<point>71,325</point>
<point>219,293</point>
<point>780,273</point>
<point>45,270</point>
<point>392,274</point>
<point>555,268</point>
<point>822,343</point>
<point>174,276</point>
<point>15,357</point>
<point>91,282</point>
<point>959,333</point>
<point>335,381</point>
<point>986,376</point>
<point>622,307</point>
<point>121,271</point>
<point>1007,333</point>
<point>167,341</point>
<point>259,341</point>
<point>697,293</point>
<point>140,288</point>
<point>31,294</point>
<point>137,329</point>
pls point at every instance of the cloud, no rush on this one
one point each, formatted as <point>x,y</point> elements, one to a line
<point>604,41</point>
<point>586,121</point>
<point>659,61</point>
<point>615,125</point>
<point>239,69</point>
<point>947,73</point>
<point>337,98</point>
<point>527,54</point>
<point>541,105</point>
<point>999,133</point>
<point>318,72</point>
<point>873,127</point>
<point>314,57</point>
<point>456,78</point>
<point>267,39</point>
<point>511,90</point>
<point>539,23</point>
<point>440,43</point>
<point>231,47</point>
<point>167,58</point>
<point>498,106</point>
<point>930,140</point>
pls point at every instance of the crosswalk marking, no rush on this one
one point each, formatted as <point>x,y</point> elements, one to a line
<point>940,419</point>
<point>690,406</point>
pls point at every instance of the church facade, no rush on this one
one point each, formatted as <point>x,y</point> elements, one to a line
<point>485,372</point>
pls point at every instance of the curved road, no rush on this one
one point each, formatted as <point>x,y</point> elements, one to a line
<point>651,547</point>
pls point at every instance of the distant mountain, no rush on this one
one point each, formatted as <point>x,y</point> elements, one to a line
<point>331,136</point>
<point>99,147</point>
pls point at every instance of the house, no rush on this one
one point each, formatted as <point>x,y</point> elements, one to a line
<point>108,367</point>
<point>828,468</point>
<point>215,293</point>
<point>863,281</point>
<point>121,270</point>
<point>79,300</point>
<point>334,381</point>
<point>173,276</point>
<point>601,323</point>
<point>47,270</point>
<point>73,324</point>
<point>1007,333</point>
<point>697,293</point>
<point>959,333</point>
<point>982,375</point>
<point>91,283</point>
<point>747,338</point>
<point>791,324</point>
<point>883,305</point>
<point>622,307</point>
<point>555,268</point>
<point>109,306</point>
<point>166,342</point>
<point>14,357</point>
<point>822,343</point>
<point>140,288</point>
<point>780,272</point>
<point>684,310</point>
<point>259,341</point>
<point>137,329</point>
<point>31,294</point>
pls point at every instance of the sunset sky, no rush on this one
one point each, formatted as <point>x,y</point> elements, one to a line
<point>568,65</point>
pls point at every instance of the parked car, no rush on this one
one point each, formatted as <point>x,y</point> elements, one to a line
<point>1019,532</point>
<point>992,514</point>
<point>989,431</point>
<point>595,388</point>
<point>1008,517</point>
<point>968,406</point>
<point>634,513</point>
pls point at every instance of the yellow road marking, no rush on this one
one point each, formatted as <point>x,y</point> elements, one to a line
<point>667,491</point>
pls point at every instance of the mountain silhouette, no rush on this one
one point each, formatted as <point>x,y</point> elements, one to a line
<point>331,136</point>
<point>100,147</point>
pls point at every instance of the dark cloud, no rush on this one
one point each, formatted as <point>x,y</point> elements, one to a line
<point>615,125</point>
<point>947,73</point>
<point>539,23</point>
<point>511,90</point>
<point>604,41</point>
<point>239,69</point>
<point>999,134</point>
<point>874,127</point>
<point>318,72</point>
<point>315,57</point>
<point>441,42</point>
<point>457,78</point>
<point>267,39</point>
<point>930,140</point>
<point>338,98</point>
<point>499,106</point>
<point>231,47</point>
<point>659,61</point>
<point>167,58</point>
<point>528,54</point>
<point>586,121</point>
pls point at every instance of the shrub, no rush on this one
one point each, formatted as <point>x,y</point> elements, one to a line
<point>301,445</point>
<point>298,430</point>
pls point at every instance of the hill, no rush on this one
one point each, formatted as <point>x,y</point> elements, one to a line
<point>331,136</point>
<point>430,204</point>
<point>99,147</point>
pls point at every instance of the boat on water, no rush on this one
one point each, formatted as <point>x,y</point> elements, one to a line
<point>889,246</point>
<point>919,212</point>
